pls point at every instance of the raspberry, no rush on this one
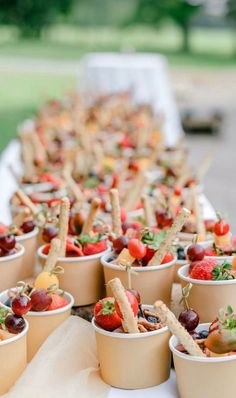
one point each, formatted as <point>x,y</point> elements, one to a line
<point>203,269</point>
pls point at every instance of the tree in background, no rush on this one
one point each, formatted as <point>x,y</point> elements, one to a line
<point>31,16</point>
<point>231,15</point>
<point>180,11</point>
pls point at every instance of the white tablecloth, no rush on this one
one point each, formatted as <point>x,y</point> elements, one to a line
<point>145,75</point>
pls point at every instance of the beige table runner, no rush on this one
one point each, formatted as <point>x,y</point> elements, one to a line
<point>66,366</point>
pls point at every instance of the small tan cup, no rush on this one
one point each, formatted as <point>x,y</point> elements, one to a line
<point>206,297</point>
<point>177,266</point>
<point>197,377</point>
<point>30,243</point>
<point>41,324</point>
<point>13,357</point>
<point>83,277</point>
<point>150,281</point>
<point>11,268</point>
<point>133,361</point>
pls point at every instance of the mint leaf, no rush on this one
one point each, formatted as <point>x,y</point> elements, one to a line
<point>86,238</point>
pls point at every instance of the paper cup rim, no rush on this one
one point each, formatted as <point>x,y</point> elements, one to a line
<point>40,186</point>
<point>17,336</point>
<point>22,238</point>
<point>205,244</point>
<point>107,264</point>
<point>184,268</point>
<point>44,313</point>
<point>73,259</point>
<point>202,326</point>
<point>19,253</point>
<point>99,330</point>
<point>189,237</point>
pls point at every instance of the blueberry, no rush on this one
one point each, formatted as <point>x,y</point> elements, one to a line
<point>8,302</point>
<point>203,334</point>
<point>152,319</point>
<point>140,312</point>
<point>180,253</point>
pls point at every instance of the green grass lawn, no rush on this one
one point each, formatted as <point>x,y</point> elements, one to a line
<point>22,94</point>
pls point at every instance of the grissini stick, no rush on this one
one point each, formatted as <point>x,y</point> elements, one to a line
<point>148,213</point>
<point>27,155</point>
<point>88,224</point>
<point>129,323</point>
<point>27,201</point>
<point>53,255</point>
<point>115,212</point>
<point>168,318</point>
<point>71,184</point>
<point>204,167</point>
<point>63,224</point>
<point>134,192</point>
<point>171,235</point>
<point>20,217</point>
<point>39,150</point>
<point>201,229</point>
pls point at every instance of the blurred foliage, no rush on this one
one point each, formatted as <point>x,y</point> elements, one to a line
<point>31,16</point>
<point>154,11</point>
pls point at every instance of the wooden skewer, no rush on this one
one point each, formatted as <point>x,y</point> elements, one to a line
<point>63,225</point>
<point>115,212</point>
<point>204,167</point>
<point>129,322</point>
<point>27,201</point>
<point>171,235</point>
<point>200,225</point>
<point>27,155</point>
<point>88,224</point>
<point>134,193</point>
<point>53,255</point>
<point>71,184</point>
<point>148,213</point>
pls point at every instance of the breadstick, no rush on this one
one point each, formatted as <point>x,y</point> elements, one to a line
<point>201,229</point>
<point>26,201</point>
<point>204,167</point>
<point>147,210</point>
<point>53,255</point>
<point>115,212</point>
<point>27,155</point>
<point>20,218</point>
<point>129,323</point>
<point>71,184</point>
<point>88,224</point>
<point>171,235</point>
<point>125,259</point>
<point>63,224</point>
<point>168,318</point>
<point>134,192</point>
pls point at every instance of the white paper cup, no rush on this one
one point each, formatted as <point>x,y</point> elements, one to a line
<point>13,357</point>
<point>152,282</point>
<point>11,268</point>
<point>30,243</point>
<point>206,297</point>
<point>42,323</point>
<point>132,361</point>
<point>209,377</point>
<point>83,277</point>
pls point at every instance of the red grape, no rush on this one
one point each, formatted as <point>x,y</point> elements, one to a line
<point>136,294</point>
<point>21,304</point>
<point>49,233</point>
<point>163,218</point>
<point>40,300</point>
<point>14,323</point>
<point>195,252</point>
<point>27,226</point>
<point>189,319</point>
<point>120,243</point>
<point>7,242</point>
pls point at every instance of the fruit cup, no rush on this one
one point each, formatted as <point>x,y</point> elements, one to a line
<point>41,324</point>
<point>211,377</point>
<point>207,296</point>
<point>151,282</point>
<point>131,361</point>
<point>11,268</point>
<point>30,243</point>
<point>208,244</point>
<point>13,356</point>
<point>83,276</point>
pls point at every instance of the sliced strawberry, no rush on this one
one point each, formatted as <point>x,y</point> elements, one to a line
<point>94,248</point>
<point>57,302</point>
<point>168,257</point>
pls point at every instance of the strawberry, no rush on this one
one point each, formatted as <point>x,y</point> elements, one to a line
<point>167,258</point>
<point>133,303</point>
<point>123,215</point>
<point>3,228</point>
<point>57,302</point>
<point>94,248</point>
<point>210,252</point>
<point>106,315</point>
<point>203,269</point>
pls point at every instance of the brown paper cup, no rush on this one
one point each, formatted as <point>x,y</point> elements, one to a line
<point>204,377</point>
<point>83,277</point>
<point>13,357</point>
<point>11,268</point>
<point>30,243</point>
<point>177,266</point>
<point>133,361</point>
<point>206,297</point>
<point>42,324</point>
<point>152,282</point>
